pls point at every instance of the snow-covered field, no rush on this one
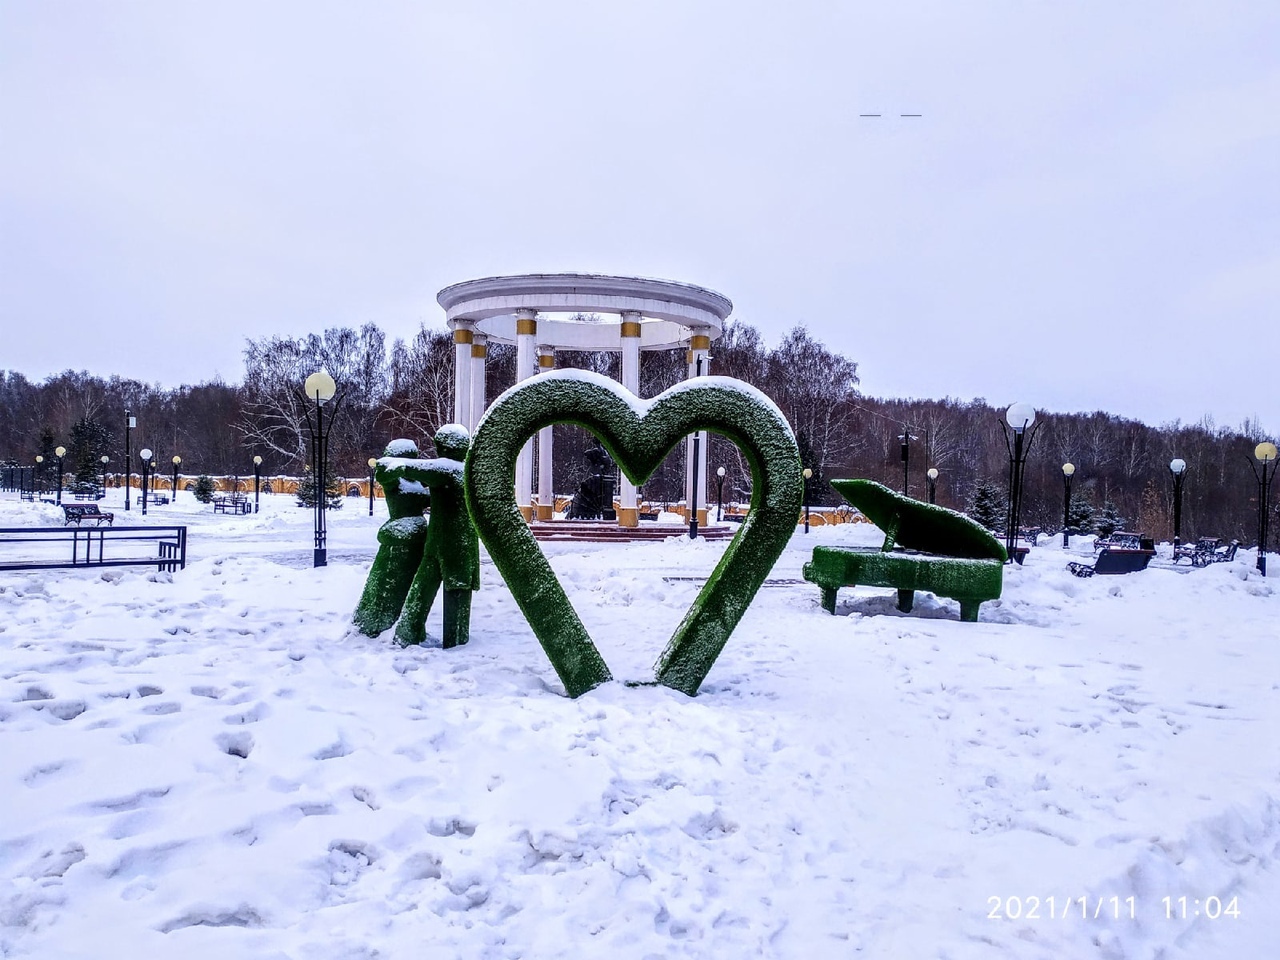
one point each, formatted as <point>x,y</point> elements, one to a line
<point>210,764</point>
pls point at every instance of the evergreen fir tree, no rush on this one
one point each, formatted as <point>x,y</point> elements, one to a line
<point>988,505</point>
<point>89,442</point>
<point>1079,515</point>
<point>307,491</point>
<point>1108,520</point>
<point>203,490</point>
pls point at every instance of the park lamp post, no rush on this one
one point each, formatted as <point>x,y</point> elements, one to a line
<point>373,462</point>
<point>257,482</point>
<point>145,454</point>
<point>320,389</point>
<point>904,451</point>
<point>932,476</point>
<point>173,494</point>
<point>807,474</point>
<point>105,460</point>
<point>719,494</point>
<point>130,423</point>
<point>693,469</point>
<point>1068,471</point>
<point>1265,453</point>
<point>39,474</point>
<point>60,452</point>
<point>1020,416</point>
<point>1178,467</point>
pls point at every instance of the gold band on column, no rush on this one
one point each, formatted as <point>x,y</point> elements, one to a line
<point>699,342</point>
<point>547,360</point>
<point>526,326</point>
<point>630,328</point>
<point>479,350</point>
<point>462,336</point>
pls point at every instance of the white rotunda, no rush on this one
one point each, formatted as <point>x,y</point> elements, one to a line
<point>537,312</point>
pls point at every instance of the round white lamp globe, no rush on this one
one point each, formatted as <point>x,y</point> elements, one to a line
<point>1020,415</point>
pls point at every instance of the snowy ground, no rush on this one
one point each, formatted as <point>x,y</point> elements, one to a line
<point>210,764</point>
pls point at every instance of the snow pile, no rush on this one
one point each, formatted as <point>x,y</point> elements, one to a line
<point>213,764</point>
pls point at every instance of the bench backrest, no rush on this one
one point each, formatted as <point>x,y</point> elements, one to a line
<point>1122,560</point>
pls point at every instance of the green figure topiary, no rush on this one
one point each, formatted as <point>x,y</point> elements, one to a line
<point>400,544</point>
<point>451,550</point>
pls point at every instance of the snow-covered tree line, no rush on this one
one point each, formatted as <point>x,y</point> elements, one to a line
<point>405,388</point>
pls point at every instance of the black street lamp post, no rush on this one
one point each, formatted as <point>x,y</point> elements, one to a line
<point>105,460</point>
<point>257,483</point>
<point>693,487</point>
<point>320,389</point>
<point>1020,416</point>
<point>145,454</point>
<point>1068,471</point>
<point>905,453</point>
<point>129,424</point>
<point>372,464</point>
<point>61,453</point>
<point>1265,453</point>
<point>38,472</point>
<point>1178,467</point>
<point>807,474</point>
<point>173,493</point>
<point>932,476</point>
<point>719,494</point>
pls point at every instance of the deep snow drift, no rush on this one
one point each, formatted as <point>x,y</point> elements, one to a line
<point>213,764</point>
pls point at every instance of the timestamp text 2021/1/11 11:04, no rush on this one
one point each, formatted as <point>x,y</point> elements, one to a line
<point>1109,908</point>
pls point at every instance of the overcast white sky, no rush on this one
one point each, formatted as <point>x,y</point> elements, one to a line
<point>1086,216</point>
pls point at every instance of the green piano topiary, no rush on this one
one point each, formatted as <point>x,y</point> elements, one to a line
<point>938,550</point>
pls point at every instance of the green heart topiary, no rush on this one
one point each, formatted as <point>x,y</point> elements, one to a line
<point>638,435</point>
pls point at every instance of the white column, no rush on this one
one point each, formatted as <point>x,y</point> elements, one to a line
<point>479,352</point>
<point>526,361</point>
<point>462,337</point>
<point>546,486</point>
<point>629,511</point>
<point>699,349</point>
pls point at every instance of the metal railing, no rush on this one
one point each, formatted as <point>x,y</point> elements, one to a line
<point>93,547</point>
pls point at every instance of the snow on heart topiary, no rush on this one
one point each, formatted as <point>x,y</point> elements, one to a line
<point>638,435</point>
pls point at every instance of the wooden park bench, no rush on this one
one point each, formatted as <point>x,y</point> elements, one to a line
<point>1207,550</point>
<point>77,513</point>
<point>1121,539</point>
<point>1120,553</point>
<point>232,504</point>
<point>926,547</point>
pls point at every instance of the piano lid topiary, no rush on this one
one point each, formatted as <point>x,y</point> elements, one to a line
<point>926,527</point>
